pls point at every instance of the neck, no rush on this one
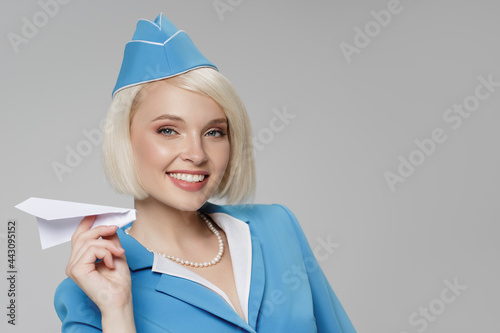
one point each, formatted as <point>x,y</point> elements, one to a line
<point>158,224</point>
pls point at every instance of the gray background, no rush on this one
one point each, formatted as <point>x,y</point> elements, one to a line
<point>394,249</point>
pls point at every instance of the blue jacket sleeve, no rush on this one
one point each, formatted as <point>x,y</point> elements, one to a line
<point>76,311</point>
<point>329,313</point>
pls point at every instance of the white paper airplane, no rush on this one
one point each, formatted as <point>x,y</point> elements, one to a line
<point>58,220</point>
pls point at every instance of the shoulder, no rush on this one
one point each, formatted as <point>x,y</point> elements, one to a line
<point>68,289</point>
<point>264,220</point>
<point>248,210</point>
<point>72,304</point>
<point>254,212</point>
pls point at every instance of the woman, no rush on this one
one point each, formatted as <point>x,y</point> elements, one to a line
<point>177,134</point>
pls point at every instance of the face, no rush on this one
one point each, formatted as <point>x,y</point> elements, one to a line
<point>181,145</point>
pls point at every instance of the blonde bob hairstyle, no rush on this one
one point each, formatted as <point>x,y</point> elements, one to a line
<point>238,182</point>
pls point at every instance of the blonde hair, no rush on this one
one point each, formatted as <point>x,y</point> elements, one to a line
<point>237,184</point>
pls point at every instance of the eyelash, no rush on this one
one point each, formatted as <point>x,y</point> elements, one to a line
<point>162,129</point>
<point>221,133</point>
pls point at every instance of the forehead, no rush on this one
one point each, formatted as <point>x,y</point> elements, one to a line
<point>161,98</point>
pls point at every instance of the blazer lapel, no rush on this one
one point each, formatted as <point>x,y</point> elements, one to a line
<point>257,283</point>
<point>201,297</point>
<point>258,279</point>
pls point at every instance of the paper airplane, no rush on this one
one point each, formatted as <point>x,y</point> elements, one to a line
<point>58,220</point>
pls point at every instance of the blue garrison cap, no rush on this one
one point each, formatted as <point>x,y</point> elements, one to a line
<point>158,50</point>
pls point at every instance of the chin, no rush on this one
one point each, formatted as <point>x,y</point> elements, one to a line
<point>190,206</point>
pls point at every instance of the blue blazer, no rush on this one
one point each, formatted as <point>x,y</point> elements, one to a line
<point>288,291</point>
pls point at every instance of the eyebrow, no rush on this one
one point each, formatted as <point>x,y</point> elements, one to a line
<point>177,118</point>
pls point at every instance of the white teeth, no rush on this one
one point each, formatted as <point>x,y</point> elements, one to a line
<point>188,177</point>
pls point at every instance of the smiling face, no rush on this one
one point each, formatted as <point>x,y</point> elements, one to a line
<point>180,144</point>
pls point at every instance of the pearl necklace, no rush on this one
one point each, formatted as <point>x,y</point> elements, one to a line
<point>214,261</point>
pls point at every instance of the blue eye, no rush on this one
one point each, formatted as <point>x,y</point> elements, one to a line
<point>166,131</point>
<point>215,133</point>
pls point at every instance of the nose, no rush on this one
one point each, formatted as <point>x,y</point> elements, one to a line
<point>193,150</point>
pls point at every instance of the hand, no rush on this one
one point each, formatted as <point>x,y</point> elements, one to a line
<point>107,283</point>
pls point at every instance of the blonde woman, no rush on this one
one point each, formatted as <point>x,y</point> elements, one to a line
<point>177,134</point>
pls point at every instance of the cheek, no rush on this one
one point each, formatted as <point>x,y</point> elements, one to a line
<point>221,156</point>
<point>148,153</point>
